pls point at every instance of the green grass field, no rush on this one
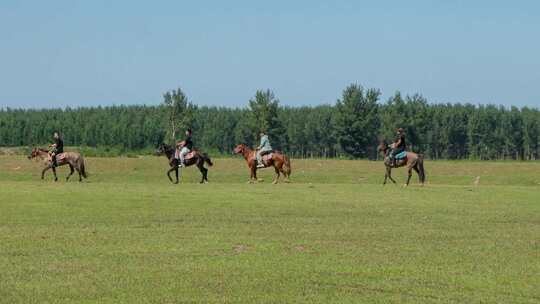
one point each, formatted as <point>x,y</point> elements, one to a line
<point>334,235</point>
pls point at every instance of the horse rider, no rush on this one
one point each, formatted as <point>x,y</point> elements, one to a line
<point>263,148</point>
<point>186,148</point>
<point>57,148</point>
<point>398,146</point>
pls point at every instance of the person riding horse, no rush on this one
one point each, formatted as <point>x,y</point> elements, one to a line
<point>57,148</point>
<point>186,147</point>
<point>398,146</point>
<point>263,148</point>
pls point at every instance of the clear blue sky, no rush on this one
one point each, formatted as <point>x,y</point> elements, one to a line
<point>102,52</point>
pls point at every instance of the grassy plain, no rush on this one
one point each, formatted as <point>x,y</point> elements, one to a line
<point>334,235</point>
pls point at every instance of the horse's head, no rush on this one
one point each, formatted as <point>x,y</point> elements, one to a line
<point>34,153</point>
<point>160,150</point>
<point>383,147</point>
<point>240,149</point>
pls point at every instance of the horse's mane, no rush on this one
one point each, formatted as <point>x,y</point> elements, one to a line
<point>383,146</point>
<point>168,147</point>
<point>43,150</point>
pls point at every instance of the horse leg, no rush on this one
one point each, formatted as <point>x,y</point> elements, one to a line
<point>276,179</point>
<point>205,175</point>
<point>54,172</point>
<point>177,173</point>
<point>415,168</point>
<point>256,178</point>
<point>80,175</point>
<point>408,176</point>
<point>280,169</point>
<point>390,175</point>
<point>45,170</point>
<point>286,180</point>
<point>201,167</point>
<point>386,175</point>
<point>70,173</point>
<point>253,176</point>
<point>169,174</point>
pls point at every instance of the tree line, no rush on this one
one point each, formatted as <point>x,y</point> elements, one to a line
<point>352,127</point>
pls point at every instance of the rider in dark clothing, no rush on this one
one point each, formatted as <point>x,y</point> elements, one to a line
<point>57,148</point>
<point>186,148</point>
<point>399,145</point>
<point>189,141</point>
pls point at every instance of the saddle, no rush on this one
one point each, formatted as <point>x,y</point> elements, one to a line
<point>401,155</point>
<point>266,157</point>
<point>59,157</point>
<point>190,154</point>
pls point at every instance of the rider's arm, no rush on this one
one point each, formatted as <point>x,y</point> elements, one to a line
<point>264,141</point>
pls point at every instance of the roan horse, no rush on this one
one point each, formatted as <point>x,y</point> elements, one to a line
<point>413,161</point>
<point>73,159</point>
<point>194,157</point>
<point>279,161</point>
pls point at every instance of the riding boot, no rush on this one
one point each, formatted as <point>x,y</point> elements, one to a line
<point>180,163</point>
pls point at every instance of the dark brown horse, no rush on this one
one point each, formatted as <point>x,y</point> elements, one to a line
<point>194,157</point>
<point>413,161</point>
<point>73,159</point>
<point>279,161</point>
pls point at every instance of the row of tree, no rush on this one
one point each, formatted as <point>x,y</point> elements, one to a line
<point>352,127</point>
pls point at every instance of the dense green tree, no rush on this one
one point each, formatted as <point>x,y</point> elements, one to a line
<point>264,109</point>
<point>179,110</point>
<point>352,127</point>
<point>357,121</point>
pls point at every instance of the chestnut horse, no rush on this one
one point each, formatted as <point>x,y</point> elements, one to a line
<point>279,161</point>
<point>194,157</point>
<point>413,161</point>
<point>73,159</point>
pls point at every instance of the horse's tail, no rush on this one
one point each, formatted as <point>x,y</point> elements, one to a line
<point>207,159</point>
<point>286,165</point>
<point>421,171</point>
<point>82,168</point>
